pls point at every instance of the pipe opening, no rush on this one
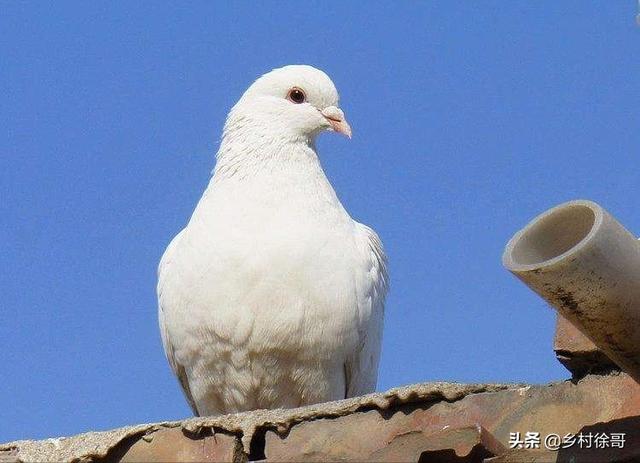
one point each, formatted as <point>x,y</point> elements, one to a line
<point>553,235</point>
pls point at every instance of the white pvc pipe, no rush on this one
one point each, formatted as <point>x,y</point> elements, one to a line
<point>586,265</point>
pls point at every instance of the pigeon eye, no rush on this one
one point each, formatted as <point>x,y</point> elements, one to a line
<point>296,96</point>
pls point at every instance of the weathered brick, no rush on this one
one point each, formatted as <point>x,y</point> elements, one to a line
<point>562,408</point>
<point>171,444</point>
<point>423,423</point>
<point>577,352</point>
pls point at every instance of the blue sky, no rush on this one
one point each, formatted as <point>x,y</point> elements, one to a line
<point>469,118</point>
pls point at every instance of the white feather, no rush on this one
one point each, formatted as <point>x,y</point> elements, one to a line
<point>272,296</point>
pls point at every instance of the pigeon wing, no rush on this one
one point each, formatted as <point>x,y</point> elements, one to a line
<point>361,368</point>
<point>164,299</point>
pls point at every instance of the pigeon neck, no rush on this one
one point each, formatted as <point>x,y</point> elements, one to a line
<point>253,149</point>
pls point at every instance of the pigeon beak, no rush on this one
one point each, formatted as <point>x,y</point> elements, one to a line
<point>336,118</point>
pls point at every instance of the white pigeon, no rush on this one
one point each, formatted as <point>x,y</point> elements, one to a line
<point>273,296</point>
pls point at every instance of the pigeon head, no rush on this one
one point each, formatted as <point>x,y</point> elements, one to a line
<point>293,101</point>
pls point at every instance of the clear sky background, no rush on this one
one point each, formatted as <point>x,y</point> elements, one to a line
<point>469,118</point>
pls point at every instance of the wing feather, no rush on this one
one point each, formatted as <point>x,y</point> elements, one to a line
<point>361,369</point>
<point>163,301</point>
